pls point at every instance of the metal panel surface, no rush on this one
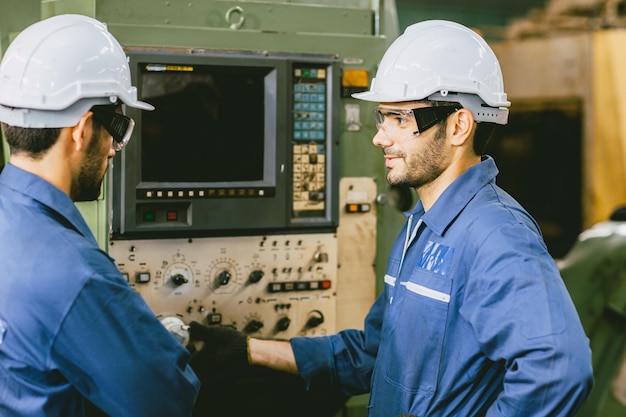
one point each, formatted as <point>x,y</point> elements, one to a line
<point>246,16</point>
<point>356,237</point>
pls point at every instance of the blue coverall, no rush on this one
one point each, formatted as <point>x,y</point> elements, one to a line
<point>474,318</point>
<point>71,327</point>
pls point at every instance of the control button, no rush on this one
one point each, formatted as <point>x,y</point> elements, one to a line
<point>142,277</point>
<point>358,208</point>
<point>171,216</point>
<point>214,318</point>
<point>299,286</point>
<point>316,196</point>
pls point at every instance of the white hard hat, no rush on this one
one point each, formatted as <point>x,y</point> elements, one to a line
<point>56,69</point>
<point>445,61</point>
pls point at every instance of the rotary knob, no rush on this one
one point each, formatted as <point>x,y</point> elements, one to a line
<point>315,319</point>
<point>283,324</point>
<point>224,278</point>
<point>178,279</point>
<point>253,326</point>
<point>177,328</point>
<point>319,256</point>
<point>256,276</point>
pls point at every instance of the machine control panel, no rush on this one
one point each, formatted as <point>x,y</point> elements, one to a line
<point>309,140</point>
<point>273,286</point>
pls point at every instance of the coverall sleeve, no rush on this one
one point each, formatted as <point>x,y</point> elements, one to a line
<point>344,360</point>
<point>117,354</point>
<point>524,318</point>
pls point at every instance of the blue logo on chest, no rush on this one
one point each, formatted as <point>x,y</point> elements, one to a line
<point>436,258</point>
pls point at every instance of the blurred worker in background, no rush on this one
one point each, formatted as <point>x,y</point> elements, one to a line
<point>474,319</point>
<point>72,331</point>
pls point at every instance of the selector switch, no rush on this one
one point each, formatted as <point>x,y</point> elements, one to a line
<point>253,326</point>
<point>256,276</point>
<point>320,256</point>
<point>315,319</point>
<point>224,278</point>
<point>283,324</point>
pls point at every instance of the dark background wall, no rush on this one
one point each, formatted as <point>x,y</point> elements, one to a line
<point>489,16</point>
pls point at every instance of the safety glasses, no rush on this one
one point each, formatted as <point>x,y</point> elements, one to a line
<point>390,119</point>
<point>119,126</point>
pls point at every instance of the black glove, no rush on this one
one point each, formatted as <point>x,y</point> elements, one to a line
<point>224,349</point>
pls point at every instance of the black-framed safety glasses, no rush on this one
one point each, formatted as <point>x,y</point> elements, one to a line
<point>425,117</point>
<point>119,126</point>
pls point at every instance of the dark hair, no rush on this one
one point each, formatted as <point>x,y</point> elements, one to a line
<point>484,130</point>
<point>33,142</point>
<point>441,125</point>
<point>95,123</point>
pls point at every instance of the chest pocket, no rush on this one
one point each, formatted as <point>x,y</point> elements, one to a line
<point>418,315</point>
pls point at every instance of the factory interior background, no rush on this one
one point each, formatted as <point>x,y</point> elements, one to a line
<point>562,155</point>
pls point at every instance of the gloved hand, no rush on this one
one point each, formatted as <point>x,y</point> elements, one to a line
<point>224,349</point>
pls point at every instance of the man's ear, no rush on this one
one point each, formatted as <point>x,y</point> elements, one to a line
<point>82,131</point>
<point>462,125</point>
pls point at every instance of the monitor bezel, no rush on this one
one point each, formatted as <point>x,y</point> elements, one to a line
<point>268,209</point>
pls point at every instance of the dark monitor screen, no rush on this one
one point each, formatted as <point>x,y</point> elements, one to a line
<point>208,125</point>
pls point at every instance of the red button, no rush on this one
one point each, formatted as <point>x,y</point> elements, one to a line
<point>172,215</point>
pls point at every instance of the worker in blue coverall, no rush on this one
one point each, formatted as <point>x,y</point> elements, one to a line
<point>73,333</point>
<point>474,319</point>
